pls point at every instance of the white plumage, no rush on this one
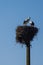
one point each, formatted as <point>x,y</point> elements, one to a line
<point>26,20</point>
<point>31,23</point>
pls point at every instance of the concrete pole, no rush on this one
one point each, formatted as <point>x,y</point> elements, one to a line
<point>28,55</point>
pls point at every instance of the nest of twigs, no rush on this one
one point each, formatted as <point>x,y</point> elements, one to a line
<point>25,34</point>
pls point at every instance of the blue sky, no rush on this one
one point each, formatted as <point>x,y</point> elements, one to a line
<point>12,14</point>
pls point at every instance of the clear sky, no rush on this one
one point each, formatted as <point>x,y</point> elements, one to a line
<point>12,14</point>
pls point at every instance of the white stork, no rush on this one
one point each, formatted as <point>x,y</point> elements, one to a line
<point>31,23</point>
<point>26,20</point>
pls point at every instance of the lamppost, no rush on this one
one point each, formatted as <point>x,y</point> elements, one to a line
<point>24,35</point>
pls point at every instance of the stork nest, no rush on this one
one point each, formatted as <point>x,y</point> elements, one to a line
<point>25,34</point>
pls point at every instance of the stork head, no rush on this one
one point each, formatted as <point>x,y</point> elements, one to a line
<point>28,18</point>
